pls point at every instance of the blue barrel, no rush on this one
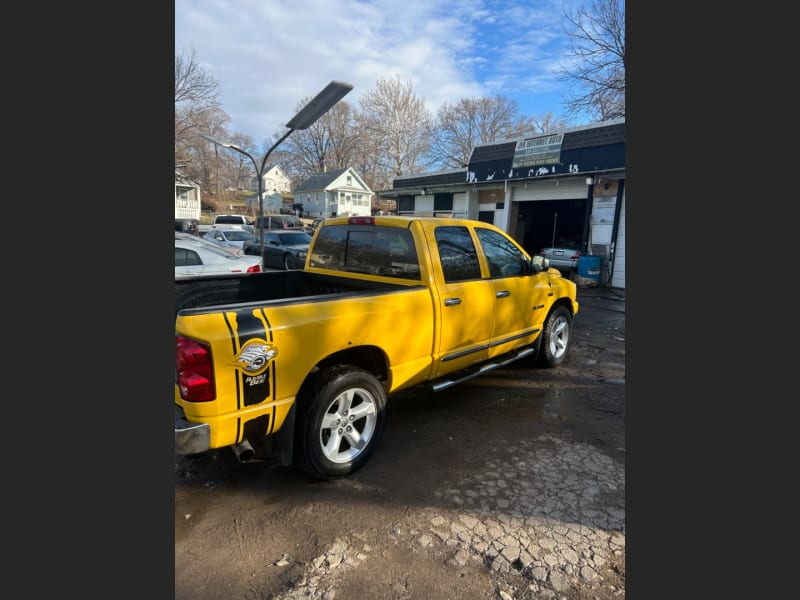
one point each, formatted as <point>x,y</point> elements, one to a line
<point>589,268</point>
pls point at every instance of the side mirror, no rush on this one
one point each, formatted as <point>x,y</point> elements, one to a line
<point>540,263</point>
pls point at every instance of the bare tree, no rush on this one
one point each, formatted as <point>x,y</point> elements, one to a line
<point>326,145</point>
<point>596,58</point>
<point>460,127</point>
<point>546,122</point>
<point>197,109</point>
<point>364,157</point>
<point>398,124</point>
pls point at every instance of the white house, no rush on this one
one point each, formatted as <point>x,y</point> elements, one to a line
<point>187,198</point>
<point>274,181</point>
<point>272,203</point>
<point>334,193</point>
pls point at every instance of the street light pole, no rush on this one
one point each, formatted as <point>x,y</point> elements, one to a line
<point>308,115</point>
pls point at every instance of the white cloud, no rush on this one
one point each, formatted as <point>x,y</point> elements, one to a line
<point>268,55</point>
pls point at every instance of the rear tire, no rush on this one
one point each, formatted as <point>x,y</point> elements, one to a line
<point>555,337</point>
<point>341,422</point>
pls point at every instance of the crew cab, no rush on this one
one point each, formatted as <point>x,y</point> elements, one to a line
<point>297,366</point>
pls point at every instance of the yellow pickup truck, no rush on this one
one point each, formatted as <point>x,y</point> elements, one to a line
<point>296,366</point>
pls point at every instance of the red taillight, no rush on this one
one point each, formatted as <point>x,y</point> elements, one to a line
<point>577,255</point>
<point>194,370</point>
<point>361,221</point>
<point>254,269</point>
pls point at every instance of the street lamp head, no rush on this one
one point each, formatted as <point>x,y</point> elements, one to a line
<point>221,143</point>
<point>319,105</point>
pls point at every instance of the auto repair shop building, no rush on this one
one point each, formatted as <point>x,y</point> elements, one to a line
<point>553,189</point>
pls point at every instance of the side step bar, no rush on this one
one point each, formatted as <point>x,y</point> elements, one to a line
<point>454,378</point>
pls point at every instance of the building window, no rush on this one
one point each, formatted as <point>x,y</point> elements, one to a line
<point>405,204</point>
<point>442,202</point>
<point>486,216</point>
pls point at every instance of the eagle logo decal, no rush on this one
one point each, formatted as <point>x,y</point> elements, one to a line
<point>255,356</point>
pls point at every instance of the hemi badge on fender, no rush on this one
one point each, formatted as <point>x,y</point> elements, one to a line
<point>538,306</point>
<point>256,354</point>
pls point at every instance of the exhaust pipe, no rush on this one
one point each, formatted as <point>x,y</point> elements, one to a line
<point>244,451</point>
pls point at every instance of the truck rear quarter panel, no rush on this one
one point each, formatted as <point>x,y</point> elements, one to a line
<point>262,355</point>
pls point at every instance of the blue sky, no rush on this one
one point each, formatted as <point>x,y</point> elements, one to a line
<point>267,55</point>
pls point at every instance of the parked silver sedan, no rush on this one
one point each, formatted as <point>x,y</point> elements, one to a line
<point>233,237</point>
<point>565,258</point>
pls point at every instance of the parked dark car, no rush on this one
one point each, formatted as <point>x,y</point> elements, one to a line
<point>283,249</point>
<point>290,222</point>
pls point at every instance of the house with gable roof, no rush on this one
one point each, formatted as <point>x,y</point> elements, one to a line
<point>273,181</point>
<point>334,193</point>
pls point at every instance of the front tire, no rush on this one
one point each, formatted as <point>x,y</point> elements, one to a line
<point>555,337</point>
<point>342,422</point>
<point>288,262</point>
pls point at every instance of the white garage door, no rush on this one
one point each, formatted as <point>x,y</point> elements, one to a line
<point>618,275</point>
<point>575,189</point>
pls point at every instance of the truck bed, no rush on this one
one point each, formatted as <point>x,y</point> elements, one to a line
<point>200,294</point>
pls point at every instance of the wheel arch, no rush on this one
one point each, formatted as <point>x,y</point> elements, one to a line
<point>566,303</point>
<point>370,358</point>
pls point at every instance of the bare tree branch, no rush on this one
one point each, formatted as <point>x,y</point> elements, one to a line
<point>596,59</point>
<point>472,121</point>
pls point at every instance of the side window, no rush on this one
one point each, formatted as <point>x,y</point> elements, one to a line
<point>503,256</point>
<point>457,254</point>
<point>186,258</point>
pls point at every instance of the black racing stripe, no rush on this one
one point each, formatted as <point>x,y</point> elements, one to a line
<point>258,427</point>
<point>231,332</point>
<point>269,325</point>
<point>234,350</point>
<point>273,369</point>
<point>255,389</point>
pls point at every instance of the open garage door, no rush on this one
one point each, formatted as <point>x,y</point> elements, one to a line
<point>552,215</point>
<point>552,223</point>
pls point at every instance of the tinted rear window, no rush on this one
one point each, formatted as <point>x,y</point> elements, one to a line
<point>230,220</point>
<point>386,251</point>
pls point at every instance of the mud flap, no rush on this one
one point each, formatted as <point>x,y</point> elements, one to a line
<point>284,438</point>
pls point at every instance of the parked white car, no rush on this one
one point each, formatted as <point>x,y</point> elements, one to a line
<point>195,256</point>
<point>226,221</point>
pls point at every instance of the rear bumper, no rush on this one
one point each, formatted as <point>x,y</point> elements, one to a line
<point>190,438</point>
